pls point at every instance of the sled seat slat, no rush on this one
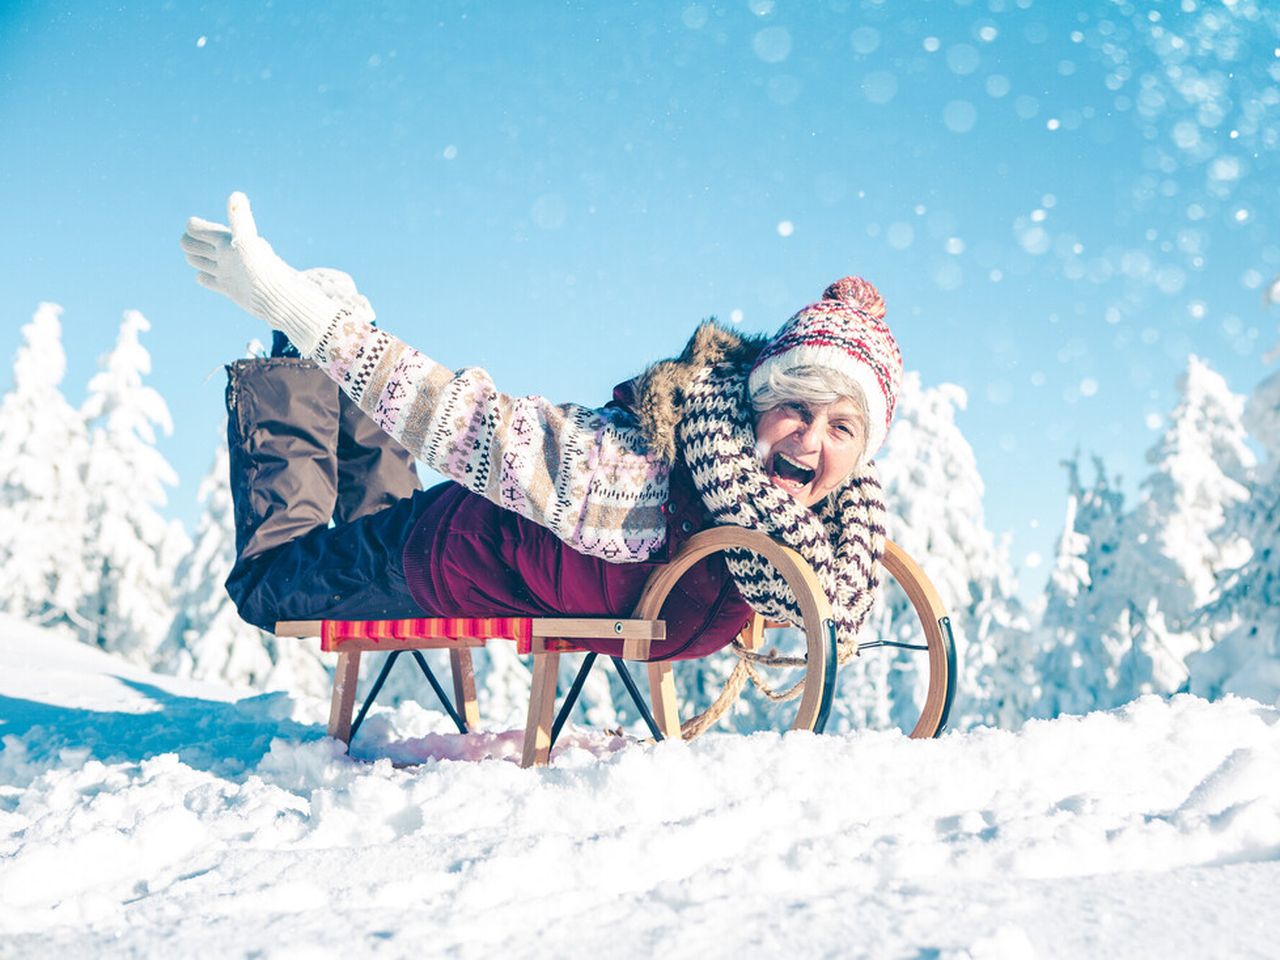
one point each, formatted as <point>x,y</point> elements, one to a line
<point>433,633</point>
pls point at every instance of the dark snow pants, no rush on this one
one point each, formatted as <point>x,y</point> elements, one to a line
<point>302,453</point>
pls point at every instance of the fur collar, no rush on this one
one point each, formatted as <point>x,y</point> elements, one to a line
<point>657,396</point>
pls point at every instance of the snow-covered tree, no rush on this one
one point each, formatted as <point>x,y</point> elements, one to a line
<point>1103,639</point>
<point>43,450</point>
<point>128,544</point>
<point>1247,660</point>
<point>1202,465</point>
<point>207,638</point>
<point>933,496</point>
<point>1176,545</point>
<point>1120,610</point>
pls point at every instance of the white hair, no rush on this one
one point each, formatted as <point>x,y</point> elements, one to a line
<point>812,385</point>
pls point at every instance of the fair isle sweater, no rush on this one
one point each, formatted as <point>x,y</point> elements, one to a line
<point>585,474</point>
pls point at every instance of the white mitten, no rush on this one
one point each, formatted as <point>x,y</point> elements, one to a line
<point>341,289</point>
<point>240,265</point>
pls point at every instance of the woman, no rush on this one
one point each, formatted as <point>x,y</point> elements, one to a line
<point>554,510</point>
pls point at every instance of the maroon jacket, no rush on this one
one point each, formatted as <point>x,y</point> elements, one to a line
<point>466,556</point>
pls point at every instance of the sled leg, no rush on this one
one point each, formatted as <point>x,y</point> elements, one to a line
<point>662,694</point>
<point>542,705</point>
<point>464,686</point>
<point>344,695</point>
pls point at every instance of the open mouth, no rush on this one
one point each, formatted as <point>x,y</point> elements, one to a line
<point>792,474</point>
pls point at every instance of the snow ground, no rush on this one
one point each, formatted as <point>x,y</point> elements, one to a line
<point>143,815</point>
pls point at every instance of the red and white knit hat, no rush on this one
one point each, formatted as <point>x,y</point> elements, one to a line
<point>844,331</point>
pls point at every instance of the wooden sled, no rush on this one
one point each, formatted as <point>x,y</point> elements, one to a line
<point>547,638</point>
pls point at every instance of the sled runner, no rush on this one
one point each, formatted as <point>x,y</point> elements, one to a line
<point>547,638</point>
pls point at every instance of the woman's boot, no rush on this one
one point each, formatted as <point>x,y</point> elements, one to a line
<point>283,438</point>
<point>374,471</point>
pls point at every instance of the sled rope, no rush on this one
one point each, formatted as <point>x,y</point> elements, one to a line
<point>747,668</point>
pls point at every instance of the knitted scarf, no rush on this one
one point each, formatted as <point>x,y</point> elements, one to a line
<point>842,538</point>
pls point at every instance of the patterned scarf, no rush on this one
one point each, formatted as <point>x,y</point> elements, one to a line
<point>842,538</point>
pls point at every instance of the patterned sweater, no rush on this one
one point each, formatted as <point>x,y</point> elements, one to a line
<point>587,475</point>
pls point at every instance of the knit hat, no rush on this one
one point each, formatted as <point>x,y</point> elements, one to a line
<point>844,331</point>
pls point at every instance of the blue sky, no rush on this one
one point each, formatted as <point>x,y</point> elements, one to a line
<point>1059,201</point>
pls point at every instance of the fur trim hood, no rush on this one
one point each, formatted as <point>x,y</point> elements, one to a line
<point>656,397</point>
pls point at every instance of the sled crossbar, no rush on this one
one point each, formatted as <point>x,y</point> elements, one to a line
<point>431,679</point>
<point>628,682</point>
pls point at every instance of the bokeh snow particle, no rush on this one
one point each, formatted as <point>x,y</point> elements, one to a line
<point>694,16</point>
<point>999,392</point>
<point>549,211</point>
<point>960,116</point>
<point>879,86</point>
<point>931,44</point>
<point>735,315</point>
<point>786,228</point>
<point>783,89</point>
<point>1088,387</point>
<point>997,85</point>
<point>963,59</point>
<point>761,8</point>
<point>772,44</point>
<point>948,276</point>
<point>201,41</point>
<point>831,188</point>
<point>1035,240</point>
<point>450,152</point>
<point>900,235</point>
<point>1186,134</point>
<point>865,40</point>
<point>1224,169</point>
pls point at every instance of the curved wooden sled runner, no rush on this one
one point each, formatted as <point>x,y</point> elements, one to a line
<point>820,636</point>
<point>547,638</point>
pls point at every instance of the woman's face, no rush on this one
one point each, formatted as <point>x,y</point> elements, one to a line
<point>809,449</point>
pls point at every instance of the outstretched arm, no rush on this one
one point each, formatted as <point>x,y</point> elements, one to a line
<point>585,474</point>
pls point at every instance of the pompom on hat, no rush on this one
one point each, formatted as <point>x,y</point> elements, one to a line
<point>844,331</point>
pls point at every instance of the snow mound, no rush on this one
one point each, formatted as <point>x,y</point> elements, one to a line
<point>155,816</point>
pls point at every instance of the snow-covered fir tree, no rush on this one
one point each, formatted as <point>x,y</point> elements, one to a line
<point>129,549</point>
<point>43,451</point>
<point>1096,643</point>
<point>1203,465</point>
<point>1177,545</point>
<point>1247,660</point>
<point>207,638</point>
<point>933,497</point>
<point>1120,609</point>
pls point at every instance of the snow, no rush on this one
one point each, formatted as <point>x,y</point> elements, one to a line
<point>146,815</point>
